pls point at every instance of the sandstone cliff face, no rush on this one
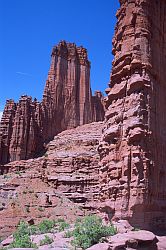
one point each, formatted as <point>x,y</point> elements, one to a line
<point>133,147</point>
<point>62,183</point>
<point>67,103</point>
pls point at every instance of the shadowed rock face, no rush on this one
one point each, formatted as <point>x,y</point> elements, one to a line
<point>67,103</point>
<point>133,147</point>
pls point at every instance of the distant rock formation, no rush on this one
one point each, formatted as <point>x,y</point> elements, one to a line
<point>67,103</point>
<point>133,147</point>
<point>20,130</point>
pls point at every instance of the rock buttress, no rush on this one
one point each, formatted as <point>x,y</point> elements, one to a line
<point>133,146</point>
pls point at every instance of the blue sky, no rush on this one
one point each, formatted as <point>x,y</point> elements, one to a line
<point>30,28</point>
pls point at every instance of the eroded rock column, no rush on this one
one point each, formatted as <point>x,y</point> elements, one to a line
<point>67,100</point>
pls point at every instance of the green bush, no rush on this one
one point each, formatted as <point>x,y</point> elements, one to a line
<point>22,229</point>
<point>34,230</point>
<point>21,238</point>
<point>63,225</point>
<point>89,231</point>
<point>68,234</point>
<point>46,226</point>
<point>47,240</point>
<point>24,242</point>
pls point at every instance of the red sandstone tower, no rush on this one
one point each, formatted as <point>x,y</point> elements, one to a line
<point>133,147</point>
<point>67,98</point>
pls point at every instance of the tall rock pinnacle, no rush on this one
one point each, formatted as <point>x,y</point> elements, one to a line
<point>67,92</point>
<point>67,103</point>
<point>133,147</point>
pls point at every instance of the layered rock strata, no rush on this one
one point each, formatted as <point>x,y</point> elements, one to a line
<point>67,103</point>
<point>133,147</point>
<point>62,183</point>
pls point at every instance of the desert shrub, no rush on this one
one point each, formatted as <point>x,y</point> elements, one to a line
<point>68,234</point>
<point>89,231</point>
<point>46,226</point>
<point>23,242</point>
<point>22,229</point>
<point>21,238</point>
<point>63,225</point>
<point>34,229</point>
<point>47,240</point>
